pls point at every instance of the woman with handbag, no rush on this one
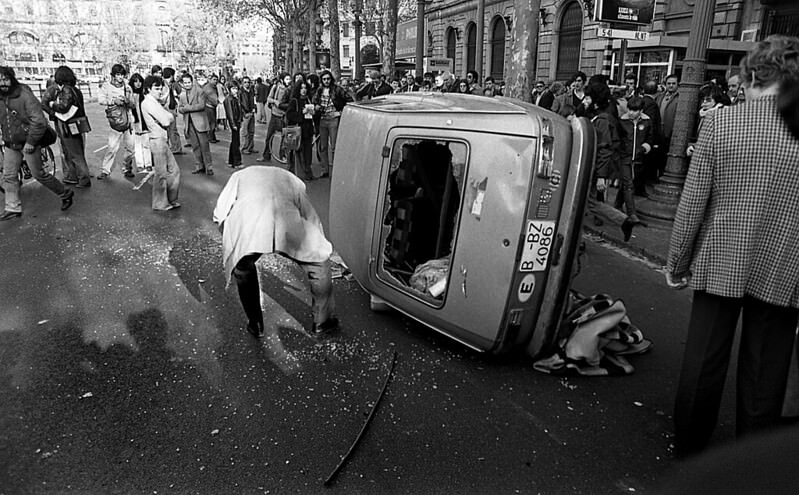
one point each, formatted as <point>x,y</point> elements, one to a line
<point>63,102</point>
<point>300,121</point>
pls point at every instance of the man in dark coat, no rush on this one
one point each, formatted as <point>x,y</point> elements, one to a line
<point>22,125</point>
<point>652,110</point>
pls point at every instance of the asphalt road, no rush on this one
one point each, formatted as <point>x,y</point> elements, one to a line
<point>124,368</point>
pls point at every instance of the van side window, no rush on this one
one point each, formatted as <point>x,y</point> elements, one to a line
<point>423,199</point>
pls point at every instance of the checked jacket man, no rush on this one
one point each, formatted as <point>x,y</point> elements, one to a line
<point>736,235</point>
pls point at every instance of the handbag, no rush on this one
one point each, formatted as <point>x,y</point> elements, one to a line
<point>118,118</point>
<point>292,137</point>
<point>77,126</point>
<point>49,137</point>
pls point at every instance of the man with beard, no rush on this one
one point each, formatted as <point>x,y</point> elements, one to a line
<point>23,125</point>
<point>278,102</point>
<point>117,94</point>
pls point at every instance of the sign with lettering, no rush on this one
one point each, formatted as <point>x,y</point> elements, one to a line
<point>406,39</point>
<point>638,12</point>
<point>622,34</point>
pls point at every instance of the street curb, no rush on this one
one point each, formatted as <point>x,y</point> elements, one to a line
<point>626,246</point>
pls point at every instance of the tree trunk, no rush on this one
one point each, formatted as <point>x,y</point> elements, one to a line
<point>521,72</point>
<point>335,39</point>
<point>313,14</point>
<point>390,38</point>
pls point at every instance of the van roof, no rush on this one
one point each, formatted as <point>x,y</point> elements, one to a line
<point>442,102</point>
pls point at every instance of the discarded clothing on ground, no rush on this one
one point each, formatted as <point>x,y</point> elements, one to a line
<point>598,334</point>
<point>430,277</point>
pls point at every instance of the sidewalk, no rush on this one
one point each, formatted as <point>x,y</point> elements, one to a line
<point>650,242</point>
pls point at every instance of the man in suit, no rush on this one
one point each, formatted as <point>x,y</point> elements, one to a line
<point>191,104</point>
<point>667,104</point>
<point>652,110</point>
<point>543,96</point>
<point>735,240</point>
<point>211,101</point>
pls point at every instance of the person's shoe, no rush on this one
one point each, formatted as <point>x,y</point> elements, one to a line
<point>70,181</point>
<point>102,176</point>
<point>262,159</point>
<point>198,171</point>
<point>214,141</point>
<point>256,329</point>
<point>180,152</point>
<point>175,204</point>
<point>627,228</point>
<point>326,174</point>
<point>246,152</point>
<point>66,201</point>
<point>187,145</point>
<point>83,186</point>
<point>129,173</point>
<point>209,172</point>
<point>327,327</point>
<point>10,215</point>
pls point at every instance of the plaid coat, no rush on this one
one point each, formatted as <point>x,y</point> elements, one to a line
<point>737,226</point>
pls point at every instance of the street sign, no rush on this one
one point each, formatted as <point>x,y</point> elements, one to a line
<point>439,64</point>
<point>622,34</point>
<point>638,12</point>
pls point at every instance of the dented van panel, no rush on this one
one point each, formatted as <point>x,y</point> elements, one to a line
<point>462,212</point>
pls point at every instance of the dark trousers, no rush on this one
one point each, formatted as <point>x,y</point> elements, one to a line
<point>275,124</point>
<point>234,153</point>
<point>211,114</point>
<point>200,147</point>
<point>246,276</point>
<point>75,166</point>
<point>767,341</point>
<point>625,194</point>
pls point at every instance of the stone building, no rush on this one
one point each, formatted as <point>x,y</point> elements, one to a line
<point>568,38</point>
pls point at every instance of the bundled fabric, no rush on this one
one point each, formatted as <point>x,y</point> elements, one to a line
<point>427,275</point>
<point>597,334</point>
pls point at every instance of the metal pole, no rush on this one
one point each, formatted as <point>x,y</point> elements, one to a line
<point>622,56</point>
<point>420,35</point>
<point>665,196</point>
<point>357,25</point>
<point>478,56</point>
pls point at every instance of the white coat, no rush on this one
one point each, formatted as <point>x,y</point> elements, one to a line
<point>265,210</point>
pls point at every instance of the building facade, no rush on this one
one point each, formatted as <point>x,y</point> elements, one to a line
<point>568,39</point>
<point>37,36</point>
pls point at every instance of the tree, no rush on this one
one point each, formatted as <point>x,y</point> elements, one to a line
<point>335,39</point>
<point>523,52</point>
<point>390,37</point>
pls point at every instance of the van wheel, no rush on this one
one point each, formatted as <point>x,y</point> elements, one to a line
<point>377,304</point>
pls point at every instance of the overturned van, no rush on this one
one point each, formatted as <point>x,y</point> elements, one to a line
<point>463,212</point>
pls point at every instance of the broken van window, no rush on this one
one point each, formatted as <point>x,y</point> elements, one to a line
<point>420,218</point>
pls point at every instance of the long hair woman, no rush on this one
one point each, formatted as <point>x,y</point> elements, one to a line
<point>301,113</point>
<point>735,242</point>
<point>141,139</point>
<point>65,96</point>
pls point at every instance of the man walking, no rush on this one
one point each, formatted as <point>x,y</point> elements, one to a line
<point>117,96</point>
<point>192,105</point>
<point>329,101</point>
<point>278,102</point>
<point>22,125</point>
<point>261,94</point>
<point>247,130</point>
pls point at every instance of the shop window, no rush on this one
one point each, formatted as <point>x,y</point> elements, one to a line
<point>498,49</point>
<point>420,215</point>
<point>569,39</point>
<point>471,45</point>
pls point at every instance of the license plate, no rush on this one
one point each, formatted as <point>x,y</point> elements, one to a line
<point>537,245</point>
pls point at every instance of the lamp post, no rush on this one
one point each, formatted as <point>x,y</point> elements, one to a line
<point>357,10</point>
<point>665,196</point>
<point>420,37</point>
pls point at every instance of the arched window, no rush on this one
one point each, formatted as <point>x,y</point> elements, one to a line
<point>569,38</point>
<point>498,49</point>
<point>471,45</point>
<point>451,42</point>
